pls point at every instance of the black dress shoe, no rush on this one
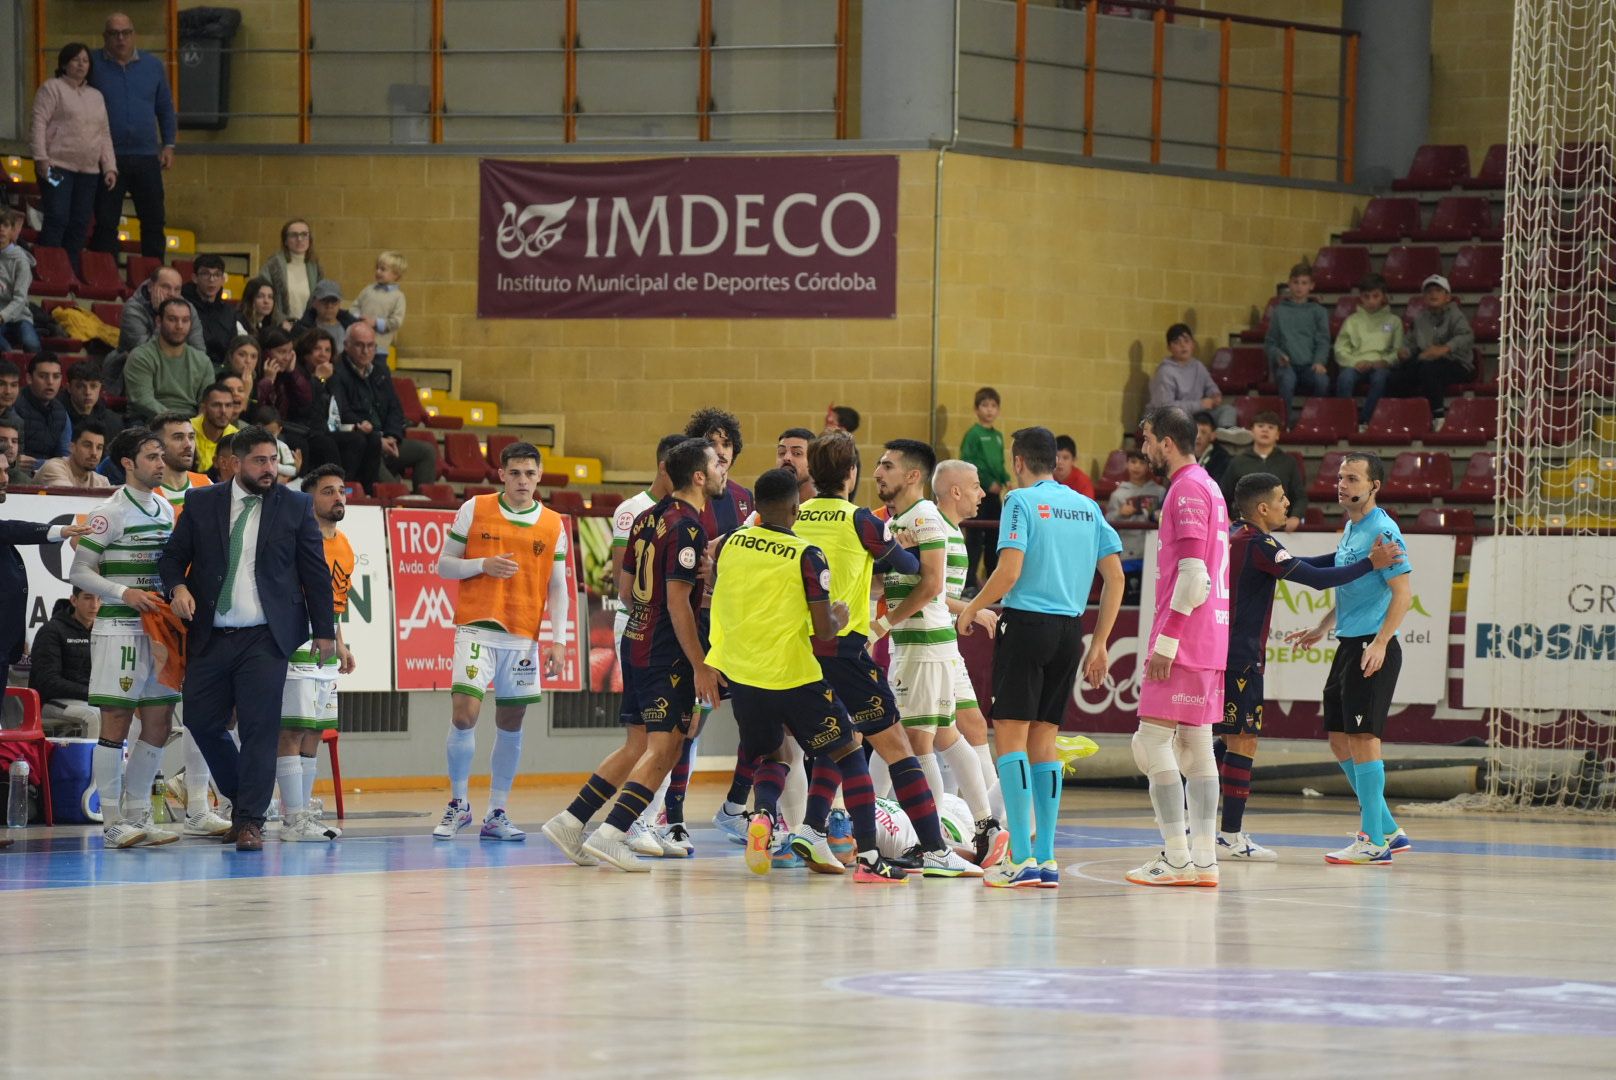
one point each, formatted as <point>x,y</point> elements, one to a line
<point>250,837</point>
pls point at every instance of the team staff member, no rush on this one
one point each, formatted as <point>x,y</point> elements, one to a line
<point>1051,541</point>
<point>1368,657</point>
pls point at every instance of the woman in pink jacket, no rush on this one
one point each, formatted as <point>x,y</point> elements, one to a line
<point>72,147</point>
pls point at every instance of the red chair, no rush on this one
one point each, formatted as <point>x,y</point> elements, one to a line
<point>187,269</point>
<point>1324,422</point>
<point>1494,168</point>
<point>1239,369</point>
<point>388,491</point>
<point>1385,221</point>
<point>1246,408</point>
<point>138,269</point>
<point>1344,308</point>
<point>415,414</point>
<point>554,479</point>
<point>1419,474</point>
<point>604,502</point>
<point>497,445</point>
<point>1448,521</point>
<point>1397,422</point>
<point>111,314</point>
<point>1486,321</point>
<point>440,492</point>
<point>1594,371</point>
<point>1459,217</point>
<point>1114,473</point>
<point>1339,269</point>
<point>329,736</point>
<point>1314,520</point>
<point>53,274</point>
<point>1470,420</point>
<point>1436,168</point>
<point>1479,482</point>
<point>32,731</point>
<point>1582,163</point>
<point>1406,268</point>
<point>1260,331</point>
<point>567,502</point>
<point>101,280</point>
<point>1323,485</point>
<point>1478,268</point>
<point>463,459</point>
<point>1416,304</point>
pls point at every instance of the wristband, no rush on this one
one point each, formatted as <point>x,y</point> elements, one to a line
<point>1167,646</point>
<point>881,626</point>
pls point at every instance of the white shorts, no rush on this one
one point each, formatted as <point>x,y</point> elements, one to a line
<point>924,689</point>
<point>309,704</point>
<point>122,675</point>
<point>512,673</point>
<point>964,692</point>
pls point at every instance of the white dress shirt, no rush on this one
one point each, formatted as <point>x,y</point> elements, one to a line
<point>245,610</point>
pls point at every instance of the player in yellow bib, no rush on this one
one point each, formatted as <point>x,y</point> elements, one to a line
<point>509,554</point>
<point>309,702</point>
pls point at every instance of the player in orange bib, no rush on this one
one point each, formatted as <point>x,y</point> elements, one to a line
<point>509,554</point>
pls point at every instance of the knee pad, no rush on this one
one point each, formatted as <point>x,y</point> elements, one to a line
<point>1194,746</point>
<point>1153,750</point>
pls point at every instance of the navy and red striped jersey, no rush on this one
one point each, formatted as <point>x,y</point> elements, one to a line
<point>666,543</point>
<point>1257,560</point>
<point>728,512</point>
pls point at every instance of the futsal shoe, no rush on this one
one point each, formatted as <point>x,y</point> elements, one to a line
<point>813,848</point>
<point>305,827</point>
<point>153,836</point>
<point>731,825</point>
<point>990,843</point>
<point>456,817</point>
<point>1206,874</point>
<point>206,823</point>
<point>878,872</point>
<point>781,853</point>
<point>122,834</point>
<point>1361,852</point>
<point>675,840</point>
<point>1049,875</point>
<point>1398,843</point>
<point>567,833</point>
<point>839,834</point>
<point>1025,874</point>
<point>496,826</point>
<point>1159,871</point>
<point>948,863</point>
<point>1241,846</point>
<point>759,838</point>
<point>607,843</point>
<point>642,841</point>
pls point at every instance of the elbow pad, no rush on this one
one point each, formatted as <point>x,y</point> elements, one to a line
<point>1194,585</point>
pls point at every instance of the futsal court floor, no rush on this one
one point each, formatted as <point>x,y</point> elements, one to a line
<point>1490,951</point>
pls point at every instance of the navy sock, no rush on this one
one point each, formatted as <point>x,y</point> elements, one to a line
<point>916,798</point>
<point>860,796</point>
<point>679,783</point>
<point>591,797</point>
<point>822,784</point>
<point>740,785</point>
<point>631,803</point>
<point>767,783</point>
<point>1236,774</point>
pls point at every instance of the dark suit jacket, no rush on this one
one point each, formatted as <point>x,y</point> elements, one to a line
<point>294,583</point>
<point>14,586</point>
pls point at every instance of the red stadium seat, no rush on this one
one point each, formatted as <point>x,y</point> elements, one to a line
<point>471,491</point>
<point>1406,268</point>
<point>1114,473</point>
<point>438,493</point>
<point>1314,520</point>
<point>604,502</point>
<point>100,277</point>
<point>187,269</point>
<point>1325,421</point>
<point>1260,331</point>
<point>1494,168</point>
<point>1385,221</point>
<point>1448,521</point>
<point>554,479</point>
<point>138,268</point>
<point>53,274</point>
<point>1339,269</point>
<point>1344,308</point>
<point>1485,322</point>
<point>1239,369</point>
<point>111,314</point>
<point>1436,168</point>
<point>1419,474</point>
<point>1416,304</point>
<point>1479,480</point>
<point>463,459</point>
<point>1470,420</point>
<point>32,730</point>
<point>1459,217</point>
<point>1323,485</point>
<point>1478,268</point>
<point>1397,422</point>
<point>388,491</point>
<point>1559,420</point>
<point>1594,371</point>
<point>497,445</point>
<point>1246,408</point>
<point>1581,163</point>
<point>567,502</point>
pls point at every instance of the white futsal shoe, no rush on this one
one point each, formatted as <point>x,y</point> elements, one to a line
<point>642,841</point>
<point>304,826</point>
<point>206,823</point>
<point>456,816</point>
<point>122,834</point>
<point>1241,846</point>
<point>567,833</point>
<point>1159,871</point>
<point>609,844</point>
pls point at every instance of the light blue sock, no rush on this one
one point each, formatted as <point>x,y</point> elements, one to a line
<point>1352,774</point>
<point>1046,795</point>
<point>461,745</point>
<point>1388,824</point>
<point>1371,797</point>
<point>1015,783</point>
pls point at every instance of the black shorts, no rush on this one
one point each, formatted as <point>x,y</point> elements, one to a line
<point>663,697</point>
<point>862,688</point>
<point>704,634</point>
<point>1242,702</point>
<point>811,713</point>
<point>1354,703</point>
<point>1036,658</point>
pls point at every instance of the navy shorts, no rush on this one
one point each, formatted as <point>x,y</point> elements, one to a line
<point>660,698</point>
<point>862,688</point>
<point>1242,702</point>
<point>811,713</point>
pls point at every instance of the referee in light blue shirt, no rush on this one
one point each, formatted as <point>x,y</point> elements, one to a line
<point>1051,540</point>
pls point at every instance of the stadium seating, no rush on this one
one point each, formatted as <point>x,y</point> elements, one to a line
<point>1315,521</point>
<point>138,268</point>
<point>1470,420</point>
<point>1485,321</point>
<point>111,314</point>
<point>566,502</point>
<point>1339,268</point>
<point>1260,331</point>
<point>390,491</point>
<point>1323,485</point>
<point>497,445</point>
<point>1591,372</point>
<point>1494,168</point>
<point>463,459</point>
<point>1419,474</point>
<point>32,730</point>
<point>1385,221</point>
<point>415,414</point>
<point>1396,422</point>
<point>1239,369</point>
<point>1344,308</point>
<point>554,479</point>
<point>1114,472</point>
<point>1479,480</point>
<point>1447,521</point>
<point>1247,407</point>
<point>1407,267</point>
<point>1436,168</point>
<point>1579,162</point>
<point>53,274</point>
<point>187,269</point>
<point>1325,421</point>
<point>471,491</point>
<point>1478,268</point>
<point>604,502</point>
<point>1458,217</point>
<point>101,280</point>
<point>438,492</point>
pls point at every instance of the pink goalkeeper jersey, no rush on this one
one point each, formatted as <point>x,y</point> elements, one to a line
<point>1195,524</point>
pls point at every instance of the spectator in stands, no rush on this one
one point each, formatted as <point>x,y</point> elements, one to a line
<point>77,468</point>
<point>60,674</point>
<point>1366,348</point>
<point>291,462</point>
<point>381,303</point>
<point>168,373</point>
<point>47,430</point>
<point>292,272</point>
<point>10,390</point>
<point>72,147</point>
<point>1209,450</point>
<point>241,358</point>
<point>1441,352</point>
<point>367,400</point>
<point>305,394</point>
<point>140,110</point>
<point>18,471</point>
<point>1135,502</point>
<point>1264,456</point>
<point>84,404</point>
<point>239,395</point>
<point>16,278</point>
<point>139,322</point>
<point>215,314</point>
<point>326,313</point>
<point>1066,470</point>
<point>983,446</point>
<point>257,311</point>
<point>213,423</point>
<point>1298,341</point>
<point>841,418</point>
<point>225,463</point>
<point>1182,380</point>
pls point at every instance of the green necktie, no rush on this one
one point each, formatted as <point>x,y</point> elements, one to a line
<point>237,533</point>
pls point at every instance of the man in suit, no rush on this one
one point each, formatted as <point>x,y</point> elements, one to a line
<point>246,568</point>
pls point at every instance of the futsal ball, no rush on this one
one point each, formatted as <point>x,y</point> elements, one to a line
<point>1073,748</point>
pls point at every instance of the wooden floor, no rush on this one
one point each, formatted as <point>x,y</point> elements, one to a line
<point>1489,952</point>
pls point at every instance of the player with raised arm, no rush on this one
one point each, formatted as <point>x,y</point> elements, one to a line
<point>509,554</point>
<point>1257,563</point>
<point>1368,658</point>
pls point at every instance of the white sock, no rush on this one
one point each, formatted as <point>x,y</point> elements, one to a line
<point>962,762</point>
<point>880,776</point>
<point>197,776</point>
<point>144,761</point>
<point>462,745</point>
<point>1203,799</point>
<point>934,774</point>
<point>502,767</point>
<point>311,769</point>
<point>106,767</point>
<point>289,778</point>
<point>654,808</point>
<point>1167,797</point>
<point>794,796</point>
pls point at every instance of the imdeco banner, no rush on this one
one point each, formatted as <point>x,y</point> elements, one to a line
<point>703,237</point>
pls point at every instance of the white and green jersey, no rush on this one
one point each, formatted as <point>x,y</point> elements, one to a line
<point>932,627</point>
<point>127,534</point>
<point>622,521</point>
<point>959,562</point>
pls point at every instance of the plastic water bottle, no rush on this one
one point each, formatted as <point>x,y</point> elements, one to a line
<point>159,801</point>
<point>17,796</point>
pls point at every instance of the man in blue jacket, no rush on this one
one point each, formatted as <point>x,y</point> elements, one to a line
<point>140,110</point>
